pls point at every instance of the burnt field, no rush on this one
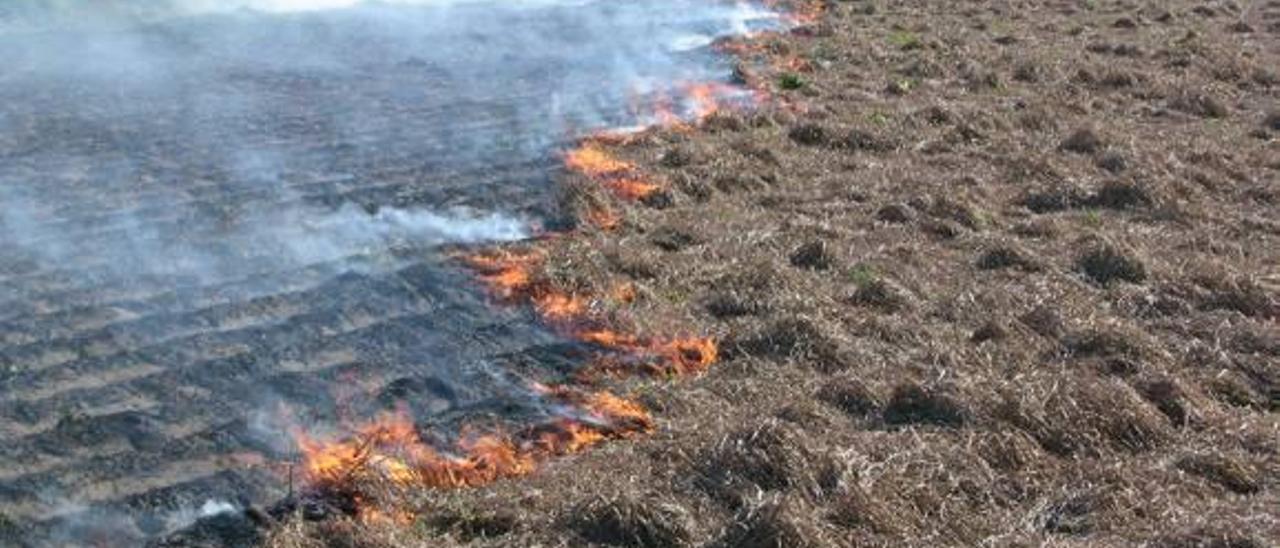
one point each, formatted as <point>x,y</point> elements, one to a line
<point>222,226</point>
<point>982,273</point>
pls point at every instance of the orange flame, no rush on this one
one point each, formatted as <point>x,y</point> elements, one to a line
<point>708,98</point>
<point>509,274</point>
<point>611,339</point>
<point>691,104</point>
<point>799,12</point>
<point>593,161</point>
<point>632,189</point>
<point>389,448</point>
<point>389,451</point>
<point>624,293</point>
<point>689,356</point>
<point>560,307</point>
<point>604,218</point>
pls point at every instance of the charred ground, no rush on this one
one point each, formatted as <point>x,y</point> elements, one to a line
<point>1007,274</point>
<point>221,230</point>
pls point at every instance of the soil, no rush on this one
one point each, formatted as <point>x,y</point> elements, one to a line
<point>988,272</point>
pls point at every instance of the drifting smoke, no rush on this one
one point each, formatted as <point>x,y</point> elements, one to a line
<point>270,241</point>
<point>257,98</point>
<point>184,517</point>
<point>212,207</point>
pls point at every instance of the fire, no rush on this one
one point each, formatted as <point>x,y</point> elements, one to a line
<point>796,64</point>
<point>688,104</point>
<point>622,177</point>
<point>388,451</point>
<point>557,306</point>
<point>677,108</point>
<point>604,218</point>
<point>610,408</point>
<point>708,98</point>
<point>739,47</point>
<point>593,161</point>
<point>689,356</point>
<point>632,189</point>
<point>611,339</point>
<point>371,513</point>
<point>799,12</point>
<point>600,413</point>
<point>508,274</point>
<point>624,293</point>
<point>675,357</point>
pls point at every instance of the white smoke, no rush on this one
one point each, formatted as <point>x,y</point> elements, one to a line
<point>185,517</point>
<point>310,238</point>
<point>287,239</point>
<point>287,6</point>
<point>418,226</point>
<point>36,15</point>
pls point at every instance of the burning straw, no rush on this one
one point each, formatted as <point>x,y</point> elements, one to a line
<point>389,455</point>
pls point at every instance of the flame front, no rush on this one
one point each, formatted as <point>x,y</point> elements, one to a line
<point>388,451</point>
<point>622,177</point>
<point>509,276</point>
<point>593,161</point>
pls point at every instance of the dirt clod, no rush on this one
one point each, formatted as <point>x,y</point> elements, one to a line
<point>471,525</point>
<point>1199,104</point>
<point>913,404</point>
<point>1222,470</point>
<point>1004,256</point>
<point>669,238</point>
<point>1069,516</point>
<point>1272,121</point>
<point>880,294</point>
<point>895,213</point>
<point>771,524</point>
<point>1106,264</point>
<point>1113,162</point>
<point>1082,141</point>
<point>991,331</point>
<point>767,457</point>
<point>1120,196</point>
<point>809,135</point>
<point>813,255</point>
<point>632,523</point>
<point>850,396</point>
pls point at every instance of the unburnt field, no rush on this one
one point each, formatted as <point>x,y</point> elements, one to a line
<point>986,272</point>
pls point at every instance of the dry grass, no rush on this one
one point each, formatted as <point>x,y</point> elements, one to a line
<point>1024,294</point>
